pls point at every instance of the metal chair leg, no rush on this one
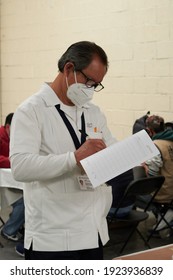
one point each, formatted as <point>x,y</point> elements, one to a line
<point>129,236</point>
<point>2,221</point>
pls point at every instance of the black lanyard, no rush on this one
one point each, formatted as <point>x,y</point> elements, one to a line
<point>71,129</point>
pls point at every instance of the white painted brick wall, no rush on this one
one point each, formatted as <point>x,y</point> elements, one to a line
<point>136,34</point>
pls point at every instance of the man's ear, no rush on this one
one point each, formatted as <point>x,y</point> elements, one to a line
<point>68,68</point>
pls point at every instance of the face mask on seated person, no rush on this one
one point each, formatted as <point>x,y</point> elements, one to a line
<point>78,93</point>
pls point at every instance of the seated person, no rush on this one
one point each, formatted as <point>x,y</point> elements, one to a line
<point>16,219</point>
<point>119,185</point>
<point>161,164</point>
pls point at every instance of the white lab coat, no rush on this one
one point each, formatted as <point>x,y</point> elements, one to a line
<point>59,216</point>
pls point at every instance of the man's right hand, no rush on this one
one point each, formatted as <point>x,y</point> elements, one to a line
<point>90,147</point>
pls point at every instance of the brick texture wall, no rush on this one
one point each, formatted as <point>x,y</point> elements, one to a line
<point>136,34</point>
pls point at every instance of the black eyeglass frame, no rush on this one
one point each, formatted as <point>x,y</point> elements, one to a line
<point>95,85</point>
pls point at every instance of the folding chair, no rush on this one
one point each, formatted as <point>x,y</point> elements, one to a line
<point>136,187</point>
<point>161,208</point>
<point>2,223</point>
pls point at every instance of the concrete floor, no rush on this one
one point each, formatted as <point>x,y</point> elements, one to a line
<point>135,244</point>
<point>111,250</point>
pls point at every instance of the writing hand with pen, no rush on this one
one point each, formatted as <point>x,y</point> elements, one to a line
<point>90,147</point>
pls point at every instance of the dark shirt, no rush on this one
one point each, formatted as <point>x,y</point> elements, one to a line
<point>119,185</point>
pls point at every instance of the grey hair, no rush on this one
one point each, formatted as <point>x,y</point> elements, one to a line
<point>81,55</point>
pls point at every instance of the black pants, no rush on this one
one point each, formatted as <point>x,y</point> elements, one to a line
<point>87,254</point>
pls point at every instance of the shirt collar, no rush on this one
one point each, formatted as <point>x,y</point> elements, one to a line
<point>51,99</point>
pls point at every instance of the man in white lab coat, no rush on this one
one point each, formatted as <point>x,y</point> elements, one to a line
<point>65,217</point>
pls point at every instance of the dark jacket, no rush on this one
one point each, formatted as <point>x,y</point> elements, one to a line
<point>119,185</point>
<point>164,135</point>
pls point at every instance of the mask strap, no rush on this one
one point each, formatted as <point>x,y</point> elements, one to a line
<point>75,77</point>
<point>66,82</point>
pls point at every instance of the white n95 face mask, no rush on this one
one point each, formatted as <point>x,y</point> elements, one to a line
<point>78,93</point>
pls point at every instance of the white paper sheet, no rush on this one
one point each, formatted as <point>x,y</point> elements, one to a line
<point>119,158</point>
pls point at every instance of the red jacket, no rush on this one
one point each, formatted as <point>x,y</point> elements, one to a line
<point>4,148</point>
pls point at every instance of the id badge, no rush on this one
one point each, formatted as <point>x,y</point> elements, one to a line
<point>84,183</point>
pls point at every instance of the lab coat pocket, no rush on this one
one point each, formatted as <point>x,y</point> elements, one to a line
<point>67,210</point>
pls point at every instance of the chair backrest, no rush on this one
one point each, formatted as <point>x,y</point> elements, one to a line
<point>143,186</point>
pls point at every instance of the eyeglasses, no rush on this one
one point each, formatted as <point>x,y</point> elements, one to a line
<point>90,83</point>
